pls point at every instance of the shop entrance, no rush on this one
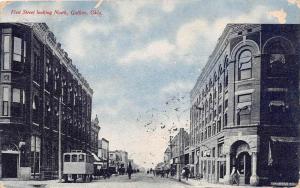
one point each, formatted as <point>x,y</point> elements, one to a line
<point>244,167</point>
<point>241,160</point>
<point>9,165</point>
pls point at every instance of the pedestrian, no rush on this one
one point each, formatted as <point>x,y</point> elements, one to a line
<point>129,170</point>
<point>167,172</point>
<point>162,173</point>
<point>187,173</point>
<point>235,176</point>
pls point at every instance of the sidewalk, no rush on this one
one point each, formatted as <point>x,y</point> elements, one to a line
<point>22,184</point>
<point>203,183</point>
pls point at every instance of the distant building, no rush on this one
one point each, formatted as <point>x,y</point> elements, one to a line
<point>118,159</point>
<point>167,155</point>
<point>103,152</point>
<point>177,147</point>
<point>95,128</point>
<point>35,73</point>
<point>245,107</point>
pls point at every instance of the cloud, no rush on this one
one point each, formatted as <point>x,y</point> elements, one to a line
<point>178,86</point>
<point>168,5</point>
<point>188,34</point>
<point>77,39</point>
<point>280,15</point>
<point>296,2</point>
<point>157,50</point>
<point>192,36</point>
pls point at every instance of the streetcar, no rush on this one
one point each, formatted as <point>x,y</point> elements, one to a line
<point>78,164</point>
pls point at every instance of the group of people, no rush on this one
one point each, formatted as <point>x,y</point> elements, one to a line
<point>169,171</point>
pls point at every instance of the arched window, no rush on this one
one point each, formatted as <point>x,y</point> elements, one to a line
<point>245,65</point>
<point>220,70</point>
<point>215,77</point>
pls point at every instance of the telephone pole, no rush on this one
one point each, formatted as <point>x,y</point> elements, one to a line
<point>59,139</point>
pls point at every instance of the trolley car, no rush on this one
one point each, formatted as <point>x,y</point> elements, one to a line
<point>78,164</point>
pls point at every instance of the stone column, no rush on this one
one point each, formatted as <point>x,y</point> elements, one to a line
<point>254,179</point>
<point>227,176</point>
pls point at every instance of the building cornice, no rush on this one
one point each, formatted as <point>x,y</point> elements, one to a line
<point>41,30</point>
<point>222,43</point>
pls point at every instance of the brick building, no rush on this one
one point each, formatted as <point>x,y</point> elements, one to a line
<point>178,146</point>
<point>35,74</point>
<point>103,152</point>
<point>245,106</point>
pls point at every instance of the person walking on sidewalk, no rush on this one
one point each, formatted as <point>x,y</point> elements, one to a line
<point>129,170</point>
<point>186,173</point>
<point>235,176</point>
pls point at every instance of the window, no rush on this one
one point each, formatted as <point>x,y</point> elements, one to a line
<point>6,63</point>
<point>16,95</point>
<point>278,107</point>
<point>35,107</point>
<point>226,103</point>
<point>16,103</point>
<point>220,88</point>
<point>74,158</point>
<point>222,169</point>
<point>35,148</point>
<point>219,125</point>
<point>17,49</point>
<point>213,152</point>
<point>214,129</point>
<point>24,49</point>
<point>219,109</point>
<point>36,67</point>
<point>6,94</point>
<point>81,158</point>
<point>225,120</point>
<point>67,158</point>
<point>278,65</point>
<point>245,65</point>
<point>220,150</point>
<point>47,70</point>
<point>226,79</point>
<point>23,96</point>
<point>244,109</point>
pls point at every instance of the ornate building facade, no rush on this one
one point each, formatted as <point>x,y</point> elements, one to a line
<point>40,87</point>
<point>245,107</point>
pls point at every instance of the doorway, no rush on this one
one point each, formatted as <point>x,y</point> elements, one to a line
<point>244,167</point>
<point>9,165</point>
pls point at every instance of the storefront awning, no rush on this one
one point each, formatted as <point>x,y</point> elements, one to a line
<point>243,105</point>
<point>285,139</point>
<point>96,158</point>
<point>277,103</point>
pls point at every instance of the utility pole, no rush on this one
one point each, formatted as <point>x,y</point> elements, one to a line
<point>59,139</point>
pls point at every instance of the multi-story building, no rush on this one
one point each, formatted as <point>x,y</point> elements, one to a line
<point>103,151</point>
<point>39,88</point>
<point>245,106</point>
<point>177,150</point>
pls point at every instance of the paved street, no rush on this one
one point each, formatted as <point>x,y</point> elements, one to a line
<point>138,181</point>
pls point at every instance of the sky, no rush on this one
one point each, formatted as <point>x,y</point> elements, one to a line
<point>142,58</point>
